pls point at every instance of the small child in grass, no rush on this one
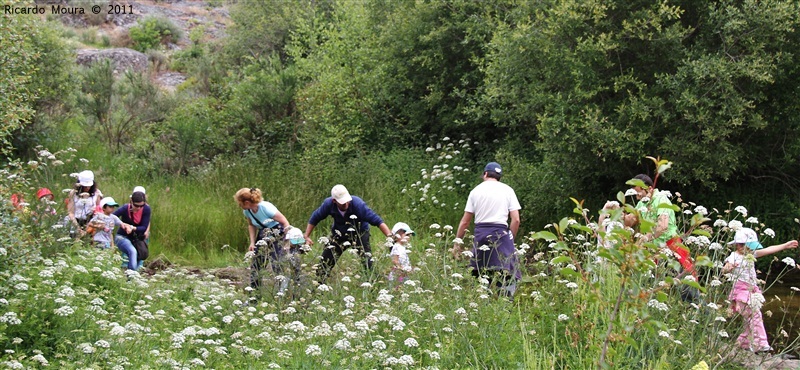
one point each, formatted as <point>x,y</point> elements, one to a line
<point>103,224</point>
<point>401,265</point>
<point>746,296</point>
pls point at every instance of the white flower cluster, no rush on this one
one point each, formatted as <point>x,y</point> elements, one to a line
<point>661,306</point>
<point>10,318</point>
<point>404,360</point>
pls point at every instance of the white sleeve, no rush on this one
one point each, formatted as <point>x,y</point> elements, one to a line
<point>513,202</point>
<point>470,207</point>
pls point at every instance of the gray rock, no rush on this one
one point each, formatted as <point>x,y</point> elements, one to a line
<point>122,58</point>
<point>170,80</point>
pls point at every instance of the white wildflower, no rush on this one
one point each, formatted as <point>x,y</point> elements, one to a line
<point>756,301</point>
<point>342,344</point>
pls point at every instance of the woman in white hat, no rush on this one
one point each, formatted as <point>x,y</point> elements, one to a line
<point>83,199</point>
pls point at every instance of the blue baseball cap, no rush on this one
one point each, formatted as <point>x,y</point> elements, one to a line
<point>493,167</point>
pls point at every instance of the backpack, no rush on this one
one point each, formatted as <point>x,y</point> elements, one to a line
<point>142,250</point>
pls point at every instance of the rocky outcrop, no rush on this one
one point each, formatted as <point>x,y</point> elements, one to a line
<point>123,59</point>
<point>170,80</point>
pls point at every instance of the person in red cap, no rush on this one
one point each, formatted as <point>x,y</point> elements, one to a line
<point>46,197</point>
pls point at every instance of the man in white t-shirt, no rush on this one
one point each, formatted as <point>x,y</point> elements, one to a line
<point>492,203</point>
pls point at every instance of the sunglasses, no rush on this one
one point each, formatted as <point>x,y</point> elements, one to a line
<point>137,206</point>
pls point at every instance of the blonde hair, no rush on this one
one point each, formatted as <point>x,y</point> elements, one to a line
<point>252,195</point>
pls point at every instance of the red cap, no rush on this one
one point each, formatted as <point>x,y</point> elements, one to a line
<point>43,192</point>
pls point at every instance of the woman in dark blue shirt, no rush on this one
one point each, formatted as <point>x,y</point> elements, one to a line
<point>136,213</point>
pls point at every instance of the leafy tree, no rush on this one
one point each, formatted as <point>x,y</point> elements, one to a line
<point>17,60</point>
<point>335,104</point>
<point>54,84</point>
<point>594,85</point>
<point>261,28</point>
<point>118,109</point>
<point>428,67</point>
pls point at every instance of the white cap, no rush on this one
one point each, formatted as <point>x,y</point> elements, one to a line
<point>748,237</point>
<point>139,189</point>
<point>108,201</point>
<point>402,226</point>
<point>295,236</point>
<point>340,194</point>
<point>86,178</point>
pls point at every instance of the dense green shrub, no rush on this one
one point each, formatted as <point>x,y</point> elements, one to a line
<point>151,32</point>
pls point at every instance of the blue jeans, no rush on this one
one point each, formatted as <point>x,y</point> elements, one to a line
<point>126,247</point>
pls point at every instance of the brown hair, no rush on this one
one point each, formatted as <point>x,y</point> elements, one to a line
<point>252,195</point>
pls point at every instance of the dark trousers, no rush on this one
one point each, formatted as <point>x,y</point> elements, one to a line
<point>269,253</point>
<point>333,251</point>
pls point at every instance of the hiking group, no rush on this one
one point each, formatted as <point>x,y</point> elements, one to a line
<point>492,206</point>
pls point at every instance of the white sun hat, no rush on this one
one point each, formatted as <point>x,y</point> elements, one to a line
<point>86,178</point>
<point>402,226</point>
<point>295,236</point>
<point>748,237</point>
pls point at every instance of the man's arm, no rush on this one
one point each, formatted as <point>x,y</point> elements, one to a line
<point>385,229</point>
<point>466,219</point>
<point>307,234</point>
<point>514,226</point>
<point>318,215</point>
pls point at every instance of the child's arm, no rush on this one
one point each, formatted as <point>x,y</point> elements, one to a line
<point>728,267</point>
<point>775,249</point>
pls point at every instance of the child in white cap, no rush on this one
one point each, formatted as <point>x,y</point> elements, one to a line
<point>746,296</point>
<point>401,265</point>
